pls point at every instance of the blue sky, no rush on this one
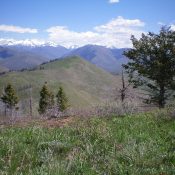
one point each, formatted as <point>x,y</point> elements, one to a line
<point>80,22</point>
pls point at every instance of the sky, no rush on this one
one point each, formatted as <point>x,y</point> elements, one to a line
<point>79,22</point>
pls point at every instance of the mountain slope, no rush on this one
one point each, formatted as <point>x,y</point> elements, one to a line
<point>106,58</point>
<point>15,60</point>
<point>49,52</point>
<point>84,83</point>
<point>3,69</point>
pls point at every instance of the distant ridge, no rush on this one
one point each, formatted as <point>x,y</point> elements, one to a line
<point>106,58</point>
<point>13,59</point>
<point>18,56</point>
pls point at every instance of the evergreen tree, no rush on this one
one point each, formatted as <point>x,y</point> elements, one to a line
<point>46,99</point>
<point>62,100</point>
<point>152,65</point>
<point>9,98</point>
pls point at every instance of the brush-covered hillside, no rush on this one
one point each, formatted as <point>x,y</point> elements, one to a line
<point>83,82</point>
<point>3,69</point>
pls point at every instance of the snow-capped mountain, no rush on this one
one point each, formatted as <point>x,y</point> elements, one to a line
<point>48,50</point>
<point>19,54</point>
<point>26,42</point>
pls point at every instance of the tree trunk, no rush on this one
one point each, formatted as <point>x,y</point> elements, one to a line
<point>123,88</point>
<point>5,110</point>
<point>162,96</point>
<point>11,111</point>
<point>30,101</point>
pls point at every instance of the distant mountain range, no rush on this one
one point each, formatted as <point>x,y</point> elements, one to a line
<point>14,59</point>
<point>18,56</point>
<point>48,52</point>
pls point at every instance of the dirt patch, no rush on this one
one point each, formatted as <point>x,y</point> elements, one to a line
<point>43,122</point>
<point>61,122</point>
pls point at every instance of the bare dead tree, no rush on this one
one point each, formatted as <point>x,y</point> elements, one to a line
<point>122,91</point>
<point>124,88</point>
<point>30,102</point>
<point>5,110</point>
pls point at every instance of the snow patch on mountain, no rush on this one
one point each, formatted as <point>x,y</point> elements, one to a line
<point>26,42</point>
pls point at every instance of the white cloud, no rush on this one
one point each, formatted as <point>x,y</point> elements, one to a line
<point>119,24</point>
<point>68,38</point>
<point>113,1</point>
<point>115,33</point>
<point>173,27</point>
<point>17,29</point>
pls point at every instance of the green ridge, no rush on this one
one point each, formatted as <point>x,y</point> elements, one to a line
<point>84,83</point>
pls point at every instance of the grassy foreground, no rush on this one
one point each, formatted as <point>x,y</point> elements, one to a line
<point>134,145</point>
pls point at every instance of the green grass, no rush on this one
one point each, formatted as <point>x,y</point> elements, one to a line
<point>133,145</point>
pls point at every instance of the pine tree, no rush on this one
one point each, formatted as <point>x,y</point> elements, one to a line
<point>152,65</point>
<point>62,100</point>
<point>9,98</point>
<point>46,99</point>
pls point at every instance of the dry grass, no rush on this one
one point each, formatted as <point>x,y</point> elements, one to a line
<point>41,122</point>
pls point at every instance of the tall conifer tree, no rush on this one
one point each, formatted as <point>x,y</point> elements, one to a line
<point>62,100</point>
<point>9,98</point>
<point>46,99</point>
